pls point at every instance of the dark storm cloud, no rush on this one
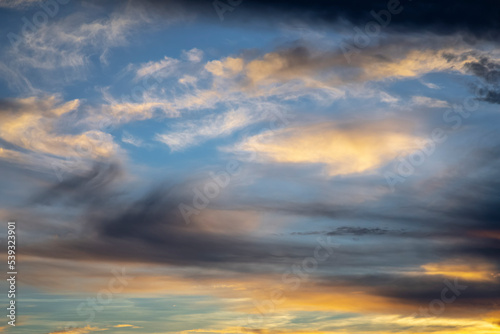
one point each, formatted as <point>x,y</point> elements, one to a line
<point>489,73</point>
<point>491,96</point>
<point>486,69</point>
<point>480,18</point>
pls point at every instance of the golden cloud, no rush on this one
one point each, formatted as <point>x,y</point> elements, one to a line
<point>32,124</point>
<point>332,68</point>
<point>79,330</point>
<point>344,148</point>
<point>471,271</point>
<point>126,326</point>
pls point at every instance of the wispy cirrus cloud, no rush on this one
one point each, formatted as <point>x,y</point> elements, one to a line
<point>158,69</point>
<point>429,102</point>
<point>129,139</point>
<point>191,133</point>
<point>65,45</point>
<point>349,121</point>
<point>194,55</point>
<point>18,4</point>
<point>177,88</point>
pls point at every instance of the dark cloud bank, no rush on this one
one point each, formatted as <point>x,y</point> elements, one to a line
<point>478,18</point>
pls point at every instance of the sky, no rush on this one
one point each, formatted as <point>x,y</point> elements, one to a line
<point>265,167</point>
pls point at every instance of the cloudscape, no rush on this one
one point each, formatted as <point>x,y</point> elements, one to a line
<point>248,166</point>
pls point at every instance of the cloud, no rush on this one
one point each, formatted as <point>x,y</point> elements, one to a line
<point>159,69</point>
<point>129,139</point>
<point>70,42</point>
<point>237,83</point>
<point>430,85</point>
<point>80,330</point>
<point>16,80</point>
<point>392,58</point>
<point>240,82</point>
<point>19,4</point>
<point>429,102</point>
<point>475,271</point>
<point>194,55</point>
<point>163,235</point>
<point>347,230</point>
<point>344,148</point>
<point>224,68</point>
<point>125,326</point>
<point>92,186</point>
<point>444,17</point>
<point>60,51</point>
<point>488,70</point>
<point>32,128</point>
<point>221,247</point>
<point>191,133</point>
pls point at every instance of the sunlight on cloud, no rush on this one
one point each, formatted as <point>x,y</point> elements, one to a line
<point>33,124</point>
<point>309,65</point>
<point>412,64</point>
<point>346,148</point>
<point>447,325</point>
<point>126,112</point>
<point>34,131</point>
<point>125,326</point>
<point>215,165</point>
<point>225,68</point>
<point>474,271</point>
<point>80,330</point>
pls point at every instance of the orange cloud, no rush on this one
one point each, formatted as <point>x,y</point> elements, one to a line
<point>125,326</point>
<point>472,271</point>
